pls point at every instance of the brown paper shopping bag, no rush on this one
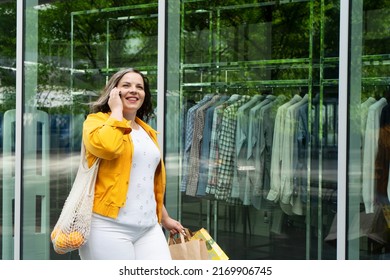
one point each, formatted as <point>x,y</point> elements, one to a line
<point>183,248</point>
<point>214,251</point>
<point>386,214</point>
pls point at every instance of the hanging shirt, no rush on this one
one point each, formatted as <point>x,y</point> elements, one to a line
<point>301,167</point>
<point>246,166</point>
<point>214,159</point>
<point>259,150</point>
<point>205,147</point>
<point>289,152</point>
<point>266,135</point>
<point>226,149</point>
<point>193,168</point>
<point>189,133</point>
<point>241,147</point>
<point>290,158</point>
<point>369,153</point>
<point>363,115</point>
<point>277,150</point>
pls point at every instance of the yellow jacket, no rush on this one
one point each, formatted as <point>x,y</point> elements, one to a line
<point>108,139</point>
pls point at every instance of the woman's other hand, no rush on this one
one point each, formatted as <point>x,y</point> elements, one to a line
<point>172,225</point>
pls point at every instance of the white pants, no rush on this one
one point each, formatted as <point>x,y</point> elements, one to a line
<point>110,240</point>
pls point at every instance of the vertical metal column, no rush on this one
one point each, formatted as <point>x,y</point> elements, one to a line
<point>342,129</point>
<point>29,184</point>
<point>9,187</point>
<point>19,125</point>
<point>161,72</point>
<point>321,142</point>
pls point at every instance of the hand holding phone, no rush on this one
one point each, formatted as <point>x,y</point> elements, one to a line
<point>115,101</point>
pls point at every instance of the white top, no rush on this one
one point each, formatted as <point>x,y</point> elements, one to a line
<point>370,149</point>
<point>277,150</point>
<point>140,207</point>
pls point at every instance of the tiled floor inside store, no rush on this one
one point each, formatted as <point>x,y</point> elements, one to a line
<point>241,245</point>
<point>289,245</point>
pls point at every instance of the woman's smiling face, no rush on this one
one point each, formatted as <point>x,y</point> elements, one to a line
<point>131,86</point>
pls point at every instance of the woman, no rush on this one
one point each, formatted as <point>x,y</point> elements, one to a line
<point>130,186</point>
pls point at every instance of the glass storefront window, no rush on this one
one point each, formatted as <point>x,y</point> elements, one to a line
<point>247,53</point>
<point>70,48</point>
<point>251,124</point>
<point>252,170</point>
<point>7,125</point>
<point>368,159</point>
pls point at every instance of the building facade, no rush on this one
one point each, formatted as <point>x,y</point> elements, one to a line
<point>272,117</point>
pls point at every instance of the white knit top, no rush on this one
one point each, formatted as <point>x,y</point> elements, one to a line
<point>140,207</point>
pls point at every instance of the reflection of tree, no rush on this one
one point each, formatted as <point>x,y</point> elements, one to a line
<point>250,32</point>
<point>377,26</point>
<point>133,37</point>
<point>136,39</point>
<point>8,33</point>
<point>90,22</point>
<point>7,54</point>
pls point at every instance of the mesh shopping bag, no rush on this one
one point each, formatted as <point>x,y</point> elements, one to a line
<point>73,225</point>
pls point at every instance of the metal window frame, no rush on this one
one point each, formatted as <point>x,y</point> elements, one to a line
<point>161,71</point>
<point>20,8</point>
<point>342,168</point>
<point>161,85</point>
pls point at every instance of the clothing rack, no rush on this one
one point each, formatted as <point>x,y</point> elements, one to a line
<point>221,81</point>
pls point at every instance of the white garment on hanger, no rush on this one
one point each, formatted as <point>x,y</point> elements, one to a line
<point>277,150</point>
<point>369,153</point>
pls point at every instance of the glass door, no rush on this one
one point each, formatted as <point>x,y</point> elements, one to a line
<point>70,49</point>
<point>257,138</point>
<point>368,152</point>
<point>7,126</point>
